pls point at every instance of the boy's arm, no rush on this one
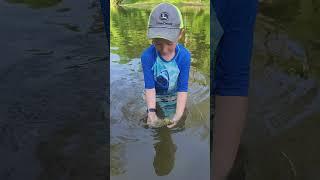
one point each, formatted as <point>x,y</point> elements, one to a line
<point>150,92</point>
<point>151,102</point>
<point>181,105</point>
<point>151,98</point>
<point>147,63</point>
<point>182,89</point>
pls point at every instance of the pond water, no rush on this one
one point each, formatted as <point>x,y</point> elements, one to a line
<point>284,94</point>
<point>53,82</point>
<point>144,153</point>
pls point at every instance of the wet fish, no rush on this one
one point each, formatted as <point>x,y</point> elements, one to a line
<point>161,123</point>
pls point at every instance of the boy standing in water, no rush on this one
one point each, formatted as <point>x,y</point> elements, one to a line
<point>165,65</point>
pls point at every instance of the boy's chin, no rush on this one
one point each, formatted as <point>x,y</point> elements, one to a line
<point>166,54</point>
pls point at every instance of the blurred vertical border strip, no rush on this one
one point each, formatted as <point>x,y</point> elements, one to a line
<point>211,87</point>
<point>105,8</point>
<point>106,17</point>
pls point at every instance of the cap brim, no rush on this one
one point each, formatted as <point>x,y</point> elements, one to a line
<point>165,33</point>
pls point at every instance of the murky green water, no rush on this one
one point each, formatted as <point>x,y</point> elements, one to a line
<point>140,153</point>
<point>284,94</point>
<point>53,76</point>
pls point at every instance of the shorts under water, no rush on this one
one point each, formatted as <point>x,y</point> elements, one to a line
<point>166,104</point>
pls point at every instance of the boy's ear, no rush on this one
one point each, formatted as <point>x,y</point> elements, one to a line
<point>181,35</point>
<point>182,31</point>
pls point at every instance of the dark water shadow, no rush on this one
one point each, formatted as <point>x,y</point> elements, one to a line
<point>165,149</point>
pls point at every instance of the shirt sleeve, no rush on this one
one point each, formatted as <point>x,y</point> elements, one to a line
<point>147,64</point>
<point>184,73</point>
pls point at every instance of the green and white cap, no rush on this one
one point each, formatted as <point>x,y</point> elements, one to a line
<point>165,21</point>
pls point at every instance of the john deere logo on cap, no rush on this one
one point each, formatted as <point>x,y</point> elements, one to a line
<point>164,16</point>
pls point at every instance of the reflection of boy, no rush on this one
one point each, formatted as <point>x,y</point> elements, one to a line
<point>165,63</point>
<point>165,149</point>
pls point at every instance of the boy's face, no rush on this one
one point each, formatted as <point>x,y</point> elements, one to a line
<point>164,47</point>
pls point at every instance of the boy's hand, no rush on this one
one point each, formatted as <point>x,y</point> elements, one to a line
<point>152,118</point>
<point>175,121</point>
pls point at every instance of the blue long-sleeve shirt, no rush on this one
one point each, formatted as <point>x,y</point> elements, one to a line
<point>232,59</point>
<point>182,60</point>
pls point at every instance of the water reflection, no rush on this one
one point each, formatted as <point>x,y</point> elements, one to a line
<point>284,91</point>
<point>52,86</point>
<point>284,61</point>
<point>165,149</point>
